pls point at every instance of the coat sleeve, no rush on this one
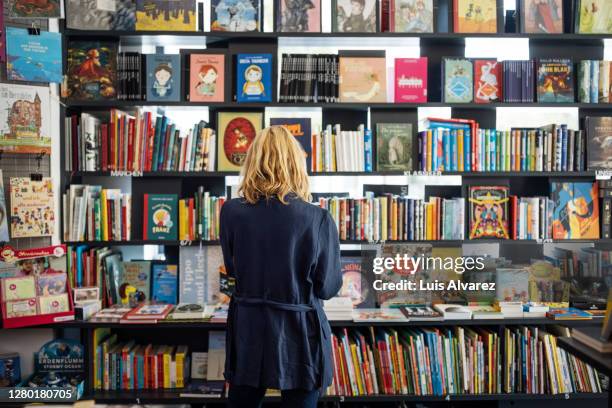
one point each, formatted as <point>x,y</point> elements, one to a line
<point>227,242</point>
<point>327,277</point>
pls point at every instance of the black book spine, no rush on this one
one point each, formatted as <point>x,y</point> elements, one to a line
<point>607,214</point>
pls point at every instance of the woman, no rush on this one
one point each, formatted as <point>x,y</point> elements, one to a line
<point>285,256</point>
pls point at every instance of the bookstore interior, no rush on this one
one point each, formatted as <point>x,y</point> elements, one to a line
<point>462,147</point>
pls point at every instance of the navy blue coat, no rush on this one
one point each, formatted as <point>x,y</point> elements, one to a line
<point>285,259</point>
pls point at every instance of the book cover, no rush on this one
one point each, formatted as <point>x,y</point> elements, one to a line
<point>379,315</point>
<point>354,16</point>
<point>393,147</point>
<point>487,81</point>
<point>138,275</point>
<point>32,207</point>
<point>207,77</point>
<point>149,312</point>
<point>167,15</point>
<point>599,143</point>
<point>89,15</point>
<point>412,16</point>
<point>489,212</point>
<point>91,70</point>
<point>555,80</point>
<point>301,16</point>
<point>576,210</point>
<point>235,15</point>
<point>254,78</point>
<point>23,287</point>
<point>355,284</point>
<point>33,9</point>
<point>163,77</point>
<point>593,17</point>
<point>51,283</point>
<point>160,216</point>
<point>411,80</point>
<point>34,58</point>
<point>4,231</point>
<point>475,16</point>
<point>21,308</point>
<point>512,285</point>
<point>300,128</point>
<point>53,304</point>
<point>165,283</point>
<point>568,313</point>
<point>199,274</point>
<point>542,16</point>
<point>458,80</point>
<point>363,79</point>
<point>236,131</point>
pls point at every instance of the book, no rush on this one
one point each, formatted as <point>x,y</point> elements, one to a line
<point>354,17</point>
<point>32,207</point>
<point>236,131</point>
<point>567,313</point>
<point>458,80</point>
<point>475,16</point>
<point>4,216</point>
<point>363,79</point>
<point>160,221</point>
<point>335,149</point>
<point>199,274</point>
<point>99,15</point>
<point>555,81</point>
<point>298,16</point>
<point>149,312</point>
<point>512,285</point>
<point>189,311</point>
<point>235,15</point>
<point>484,312</point>
<point>22,287</point>
<point>412,16</point>
<point>378,315</point>
<point>111,314</point>
<point>25,125</point>
<point>301,129</point>
<point>138,275</point>
<point>206,77</point>
<point>254,78</point>
<point>132,75</point>
<point>487,81</point>
<point>354,284</point>
<point>216,356</point>
<point>421,313</point>
<point>453,312</point>
<point>34,58</point>
<point>576,210</point>
<point>411,80</point>
<point>51,304</point>
<point>309,78</point>
<point>163,77</point>
<point>489,212</point>
<point>21,308</point>
<point>168,15</point>
<point>165,283</point>
<point>593,17</point>
<point>538,16</point>
<point>10,369</point>
<point>33,9</point>
<point>91,70</point>
<point>598,130</point>
<point>393,147</point>
<point>51,284</point>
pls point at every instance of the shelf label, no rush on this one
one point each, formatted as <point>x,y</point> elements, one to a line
<point>544,240</point>
<point>603,174</point>
<point>185,242</point>
<point>123,173</point>
<point>423,173</point>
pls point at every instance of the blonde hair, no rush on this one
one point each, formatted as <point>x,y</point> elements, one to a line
<point>274,167</point>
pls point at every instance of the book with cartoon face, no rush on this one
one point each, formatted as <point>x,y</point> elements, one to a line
<point>254,78</point>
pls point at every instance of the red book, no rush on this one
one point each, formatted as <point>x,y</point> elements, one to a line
<point>191,221</point>
<point>130,144</point>
<point>487,81</point>
<point>149,312</point>
<point>104,141</point>
<point>113,138</point>
<point>410,80</point>
<point>145,222</point>
<point>123,221</point>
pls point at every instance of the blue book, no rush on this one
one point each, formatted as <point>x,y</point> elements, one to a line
<point>163,77</point>
<point>447,149</point>
<point>454,151</point>
<point>594,88</point>
<point>254,78</point>
<point>493,150</point>
<point>165,283</point>
<point>368,149</point>
<point>35,58</point>
<point>467,150</point>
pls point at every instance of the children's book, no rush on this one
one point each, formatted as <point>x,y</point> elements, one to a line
<point>393,147</point>
<point>412,16</point>
<point>165,283</point>
<point>166,15</point>
<point>300,128</point>
<point>302,16</point>
<point>34,58</point>
<point>163,77</point>
<point>593,16</point>
<point>350,16</point>
<point>236,131</point>
<point>254,78</point>
<point>160,217</point>
<point>475,16</point>
<point>555,80</point>
<point>91,70</point>
<point>568,313</point>
<point>489,212</point>
<point>206,77</point>
<point>458,80</point>
<point>487,81</point>
<point>363,79</point>
<point>512,285</point>
<point>235,15</point>
<point>541,16</point>
<point>411,80</point>
<point>138,275</point>
<point>32,207</point>
<point>576,210</point>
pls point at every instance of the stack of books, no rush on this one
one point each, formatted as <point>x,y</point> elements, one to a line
<point>335,149</point>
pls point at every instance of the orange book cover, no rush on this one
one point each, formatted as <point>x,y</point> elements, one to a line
<point>206,77</point>
<point>475,16</point>
<point>363,79</point>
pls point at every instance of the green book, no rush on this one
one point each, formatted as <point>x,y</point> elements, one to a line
<point>160,216</point>
<point>394,146</point>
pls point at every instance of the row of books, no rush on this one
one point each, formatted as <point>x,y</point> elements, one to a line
<point>594,81</point>
<point>335,149</point>
<point>309,78</point>
<point>587,262</point>
<point>137,141</point>
<point>199,217</point>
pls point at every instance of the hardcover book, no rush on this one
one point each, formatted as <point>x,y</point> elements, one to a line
<point>4,231</point>
<point>34,9</point>
<point>149,312</point>
<point>160,217</point>
<point>411,80</point>
<point>235,15</point>
<point>138,275</point>
<point>355,285</point>
<point>91,70</point>
<point>393,147</point>
<point>300,128</point>
<point>301,16</point>
<point>412,16</point>
<point>458,80</point>
<point>206,78</point>
<point>542,16</point>
<point>236,131</point>
<point>599,145</point>
<point>487,81</point>
<point>576,210</point>
<point>593,17</point>
<point>163,77</point>
<point>489,212</point>
<point>254,78</point>
<point>363,79</point>
<point>165,283</point>
<point>34,58</point>
<point>475,16</point>
<point>354,16</point>
<point>10,369</point>
<point>200,269</point>
<point>32,207</point>
<point>568,313</point>
<point>512,284</point>
<point>166,15</point>
<point>555,80</point>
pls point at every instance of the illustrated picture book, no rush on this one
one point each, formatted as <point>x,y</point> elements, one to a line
<point>393,147</point>
<point>354,16</point>
<point>487,81</point>
<point>411,80</point>
<point>458,80</point>
<point>138,275</point>
<point>412,16</point>
<point>489,212</point>
<point>301,129</point>
<point>160,221</point>
<point>599,146</point>
<point>298,16</point>
<point>576,210</point>
<point>165,283</point>
<point>541,16</point>
<point>254,78</point>
<point>166,15</point>
<point>355,282</point>
<point>512,284</point>
<point>91,70</point>
<point>235,15</point>
<point>593,17</point>
<point>32,207</point>
<point>34,58</point>
<point>363,79</point>
<point>236,131</point>
<point>119,15</point>
<point>555,80</point>
<point>206,77</point>
<point>475,16</point>
<point>163,77</point>
<point>25,119</point>
<point>33,8</point>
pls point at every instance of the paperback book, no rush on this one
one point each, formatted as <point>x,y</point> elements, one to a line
<point>475,16</point>
<point>576,210</point>
<point>119,15</point>
<point>411,80</point>
<point>165,283</point>
<point>598,131</point>
<point>458,80</point>
<point>235,15</point>
<point>138,275</point>
<point>541,16</point>
<point>487,81</point>
<point>411,16</point>
<point>206,77</point>
<point>254,78</point>
<point>236,131</point>
<point>163,77</point>
<point>593,17</point>
<point>34,58</point>
<point>354,16</point>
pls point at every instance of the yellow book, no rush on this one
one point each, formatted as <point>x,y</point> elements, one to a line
<point>182,218</point>
<point>394,219</point>
<point>460,149</point>
<point>98,335</point>
<point>167,358</point>
<point>429,152</point>
<point>180,356</point>
<point>103,215</point>
<point>357,368</point>
<point>428,221</point>
<point>383,218</point>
